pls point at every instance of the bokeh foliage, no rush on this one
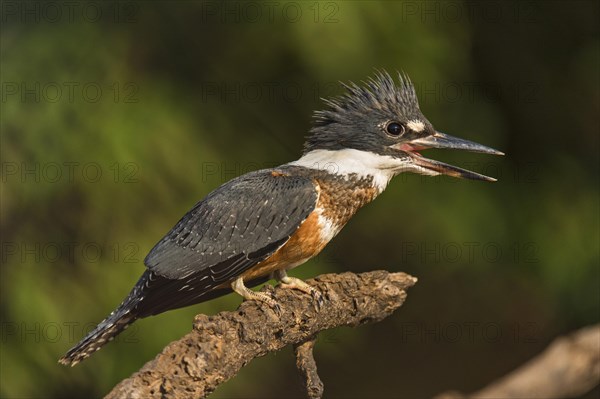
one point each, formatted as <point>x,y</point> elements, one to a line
<point>192,97</point>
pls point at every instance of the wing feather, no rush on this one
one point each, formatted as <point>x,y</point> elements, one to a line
<point>235,227</point>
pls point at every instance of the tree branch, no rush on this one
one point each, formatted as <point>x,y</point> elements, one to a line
<point>220,345</point>
<point>305,362</point>
<point>569,367</point>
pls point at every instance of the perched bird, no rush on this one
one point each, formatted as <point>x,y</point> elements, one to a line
<point>264,223</point>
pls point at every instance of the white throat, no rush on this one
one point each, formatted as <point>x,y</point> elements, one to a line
<point>346,162</point>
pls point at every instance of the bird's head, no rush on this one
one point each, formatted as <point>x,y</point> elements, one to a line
<point>380,125</point>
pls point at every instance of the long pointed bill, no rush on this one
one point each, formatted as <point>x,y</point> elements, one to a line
<point>441,140</point>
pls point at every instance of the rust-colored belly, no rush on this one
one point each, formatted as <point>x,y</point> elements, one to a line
<point>339,199</point>
<point>305,243</point>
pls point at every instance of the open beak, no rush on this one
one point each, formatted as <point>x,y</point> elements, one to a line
<point>441,140</point>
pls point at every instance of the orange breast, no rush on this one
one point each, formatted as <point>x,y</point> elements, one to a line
<point>305,243</point>
<point>339,199</point>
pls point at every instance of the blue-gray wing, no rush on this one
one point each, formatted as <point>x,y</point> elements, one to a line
<point>235,227</point>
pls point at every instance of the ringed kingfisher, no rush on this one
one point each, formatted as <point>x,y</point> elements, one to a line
<point>264,223</point>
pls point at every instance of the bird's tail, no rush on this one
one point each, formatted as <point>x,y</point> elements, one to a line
<point>145,299</point>
<point>104,332</point>
<point>109,328</point>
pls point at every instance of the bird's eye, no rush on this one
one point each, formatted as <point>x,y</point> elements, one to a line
<point>394,128</point>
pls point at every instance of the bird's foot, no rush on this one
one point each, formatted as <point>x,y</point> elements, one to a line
<point>249,295</point>
<point>294,282</point>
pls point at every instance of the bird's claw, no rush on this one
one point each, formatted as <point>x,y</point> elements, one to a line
<point>273,304</point>
<point>276,308</point>
<point>292,282</point>
<point>249,295</point>
<point>318,298</point>
<point>268,300</point>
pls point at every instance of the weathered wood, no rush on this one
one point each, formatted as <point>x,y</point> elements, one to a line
<point>220,345</point>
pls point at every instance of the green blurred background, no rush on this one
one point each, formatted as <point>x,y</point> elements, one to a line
<point>117,117</point>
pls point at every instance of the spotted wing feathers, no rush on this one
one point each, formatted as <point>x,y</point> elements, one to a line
<point>235,227</point>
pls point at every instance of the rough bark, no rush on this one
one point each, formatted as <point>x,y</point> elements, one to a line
<point>220,345</point>
<point>568,368</point>
<point>305,362</point>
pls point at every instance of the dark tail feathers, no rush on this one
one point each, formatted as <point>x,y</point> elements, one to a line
<point>105,332</point>
<point>110,327</point>
<point>151,295</point>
